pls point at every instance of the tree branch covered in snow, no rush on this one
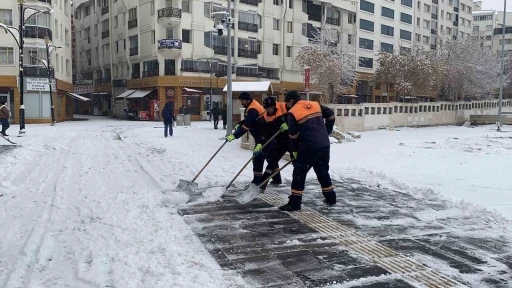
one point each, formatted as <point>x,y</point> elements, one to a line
<point>332,64</point>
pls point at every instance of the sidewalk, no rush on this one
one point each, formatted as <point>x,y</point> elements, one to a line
<point>374,237</point>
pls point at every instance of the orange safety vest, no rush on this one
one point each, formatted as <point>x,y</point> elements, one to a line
<point>254,105</point>
<point>305,110</point>
<point>280,111</point>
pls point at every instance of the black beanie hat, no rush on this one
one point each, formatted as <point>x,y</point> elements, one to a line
<point>245,96</point>
<point>292,96</point>
<point>269,101</point>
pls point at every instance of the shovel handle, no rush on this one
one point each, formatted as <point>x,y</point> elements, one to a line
<point>274,174</point>
<point>247,163</point>
<point>209,161</point>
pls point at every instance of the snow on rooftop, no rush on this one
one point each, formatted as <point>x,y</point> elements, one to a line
<point>483,12</point>
<point>262,86</point>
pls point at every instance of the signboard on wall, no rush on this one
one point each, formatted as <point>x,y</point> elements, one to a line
<point>169,44</point>
<point>169,94</point>
<point>144,115</point>
<point>307,78</point>
<point>83,89</point>
<point>39,84</point>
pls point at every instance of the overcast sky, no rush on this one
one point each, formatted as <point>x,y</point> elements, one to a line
<point>496,5</point>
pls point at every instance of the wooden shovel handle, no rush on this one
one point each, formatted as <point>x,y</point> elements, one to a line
<point>193,180</point>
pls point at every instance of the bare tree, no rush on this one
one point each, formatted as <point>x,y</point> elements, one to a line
<point>332,64</point>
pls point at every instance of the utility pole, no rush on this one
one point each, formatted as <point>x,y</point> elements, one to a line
<point>21,30</point>
<point>500,101</point>
<point>230,88</point>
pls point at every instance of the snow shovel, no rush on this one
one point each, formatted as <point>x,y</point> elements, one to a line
<point>254,190</point>
<point>237,174</point>
<point>190,187</point>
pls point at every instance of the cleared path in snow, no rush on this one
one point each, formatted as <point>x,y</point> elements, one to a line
<point>82,210</point>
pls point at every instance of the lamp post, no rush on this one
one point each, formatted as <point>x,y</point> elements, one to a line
<point>18,34</point>
<point>500,101</point>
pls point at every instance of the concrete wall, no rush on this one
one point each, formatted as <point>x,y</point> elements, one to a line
<point>489,119</point>
<point>372,116</point>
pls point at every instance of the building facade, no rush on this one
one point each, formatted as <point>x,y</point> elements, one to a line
<point>171,49</point>
<point>56,28</point>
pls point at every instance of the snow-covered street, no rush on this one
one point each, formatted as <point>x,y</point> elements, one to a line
<point>87,203</point>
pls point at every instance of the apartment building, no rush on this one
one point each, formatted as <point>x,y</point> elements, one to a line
<point>159,49</point>
<point>393,26</point>
<point>484,23</point>
<point>56,27</point>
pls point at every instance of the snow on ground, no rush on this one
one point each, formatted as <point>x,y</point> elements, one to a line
<point>87,203</point>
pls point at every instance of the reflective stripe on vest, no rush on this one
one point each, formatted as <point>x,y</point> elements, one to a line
<point>305,110</point>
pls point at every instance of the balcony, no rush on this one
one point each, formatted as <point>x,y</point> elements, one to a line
<point>245,53</point>
<point>37,71</point>
<point>170,71</point>
<point>134,51</point>
<point>46,1</point>
<point>104,10</point>
<point>119,83</point>
<point>433,46</point>
<point>253,74</point>
<point>433,31</point>
<point>332,21</point>
<point>132,23</point>
<point>151,73</point>
<point>456,9</point>
<point>250,27</point>
<point>221,50</point>
<point>192,69</point>
<point>136,75</point>
<point>105,34</point>
<point>455,24</point>
<point>434,16</point>
<point>37,32</point>
<point>170,48</point>
<point>169,16</point>
<point>250,2</point>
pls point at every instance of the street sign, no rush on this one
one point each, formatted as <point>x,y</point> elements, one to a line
<point>307,77</point>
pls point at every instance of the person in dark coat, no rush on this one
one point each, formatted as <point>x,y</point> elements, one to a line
<point>181,110</point>
<point>168,116</point>
<point>215,112</point>
<point>224,113</point>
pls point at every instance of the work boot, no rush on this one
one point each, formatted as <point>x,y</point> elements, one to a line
<point>264,177</point>
<point>330,198</point>
<point>276,180</point>
<point>293,204</point>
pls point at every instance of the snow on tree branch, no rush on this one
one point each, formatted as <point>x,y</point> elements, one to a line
<point>332,64</point>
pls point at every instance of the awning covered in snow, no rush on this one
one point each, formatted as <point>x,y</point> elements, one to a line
<point>140,93</point>
<point>78,97</point>
<point>125,94</point>
<point>190,90</point>
<point>263,86</point>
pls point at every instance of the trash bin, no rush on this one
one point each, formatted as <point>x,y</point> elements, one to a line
<point>179,120</point>
<point>186,120</point>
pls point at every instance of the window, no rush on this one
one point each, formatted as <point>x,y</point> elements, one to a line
<point>418,21</point>
<point>426,24</point>
<point>489,38</point>
<point>476,28</point>
<point>288,51</point>
<point>289,26</point>
<point>104,25</point>
<point>366,25</point>
<point>388,13</point>
<point>66,36</point>
<point>366,44</point>
<point>57,62</point>
<point>290,4</point>
<point>95,29</point>
<point>405,35</point>
<point>67,66</point>
<point>56,30</point>
<point>386,47</point>
<point>448,16</point>
<point>349,39</point>
<point>407,3</point>
<point>275,49</point>
<point>153,40</point>
<point>426,8</point>
<point>275,23</point>
<point>87,10</point>
<point>463,7</point>
<point>351,18</point>
<point>426,40</point>
<point>387,30</point>
<point>277,2</point>
<point>365,62</point>
<point>367,6</point>
<point>419,6</point>
<point>333,16</point>
<point>462,21</point>
<point>6,55</point>
<point>442,14</point>
<point>406,18</point>
<point>418,37</point>
<point>116,21</point>
<point>132,14</point>
<point>488,28</point>
<point>185,36</point>
<point>305,29</point>
<point>249,17</point>
<point>185,6</point>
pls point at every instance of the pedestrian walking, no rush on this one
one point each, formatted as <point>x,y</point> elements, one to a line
<point>215,112</point>
<point>181,110</point>
<point>5,114</point>
<point>224,113</point>
<point>253,111</point>
<point>309,137</point>
<point>168,116</point>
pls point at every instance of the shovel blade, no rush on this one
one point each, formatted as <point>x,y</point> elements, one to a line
<point>185,186</point>
<point>248,194</point>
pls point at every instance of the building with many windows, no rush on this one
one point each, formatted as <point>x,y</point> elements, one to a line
<point>56,28</point>
<point>484,23</point>
<point>145,51</point>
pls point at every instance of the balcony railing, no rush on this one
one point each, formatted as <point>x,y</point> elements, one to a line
<point>150,73</point>
<point>456,9</point>
<point>134,51</point>
<point>38,32</point>
<point>245,53</point>
<point>192,69</point>
<point>435,2</point>
<point>119,83</point>
<point>136,75</point>
<point>250,27</point>
<point>37,71</point>
<point>434,16</point>
<point>250,2</point>
<point>248,74</point>
<point>169,12</point>
<point>433,31</point>
<point>46,1</point>
<point>170,71</point>
<point>332,21</point>
<point>132,24</point>
<point>455,23</point>
<point>221,50</point>
<point>104,10</point>
<point>105,34</point>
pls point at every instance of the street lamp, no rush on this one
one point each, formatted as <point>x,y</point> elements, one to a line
<point>500,101</point>
<point>49,50</point>
<point>18,35</point>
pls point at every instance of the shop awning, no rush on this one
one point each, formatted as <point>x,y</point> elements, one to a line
<point>78,97</point>
<point>263,86</point>
<point>125,94</point>
<point>140,93</point>
<point>190,90</point>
